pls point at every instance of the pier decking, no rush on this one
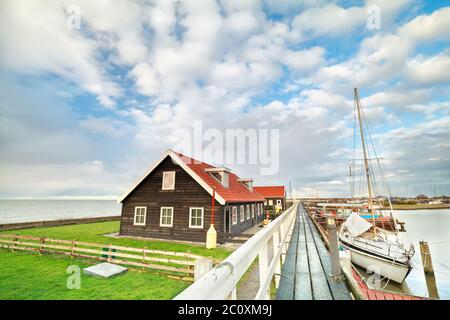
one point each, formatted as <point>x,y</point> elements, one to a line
<point>306,271</point>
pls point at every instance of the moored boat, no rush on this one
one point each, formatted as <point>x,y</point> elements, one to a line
<point>372,248</point>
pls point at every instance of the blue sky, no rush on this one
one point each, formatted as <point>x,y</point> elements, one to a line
<point>84,111</point>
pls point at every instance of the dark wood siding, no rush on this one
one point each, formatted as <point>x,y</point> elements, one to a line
<point>188,193</point>
<point>241,226</point>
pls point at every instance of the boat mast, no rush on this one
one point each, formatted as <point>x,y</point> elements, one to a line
<point>366,161</point>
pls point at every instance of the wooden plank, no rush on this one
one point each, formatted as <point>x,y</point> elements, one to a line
<point>379,295</point>
<point>338,289</point>
<point>303,289</point>
<point>320,288</point>
<point>287,280</point>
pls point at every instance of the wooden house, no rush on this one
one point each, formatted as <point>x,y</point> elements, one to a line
<point>273,196</point>
<point>173,200</point>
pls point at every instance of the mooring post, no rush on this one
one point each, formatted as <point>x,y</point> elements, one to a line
<point>428,270</point>
<point>202,266</point>
<point>334,248</point>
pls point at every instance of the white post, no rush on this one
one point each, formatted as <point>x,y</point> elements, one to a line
<point>276,247</point>
<point>202,266</point>
<point>284,244</point>
<point>264,268</point>
<point>234,294</point>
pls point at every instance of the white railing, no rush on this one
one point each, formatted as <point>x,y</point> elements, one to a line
<point>220,283</point>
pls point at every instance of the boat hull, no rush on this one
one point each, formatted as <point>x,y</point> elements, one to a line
<point>394,270</point>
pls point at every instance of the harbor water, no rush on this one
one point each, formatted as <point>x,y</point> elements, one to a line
<point>432,226</point>
<point>15,211</point>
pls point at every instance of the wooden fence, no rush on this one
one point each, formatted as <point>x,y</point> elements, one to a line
<point>177,265</point>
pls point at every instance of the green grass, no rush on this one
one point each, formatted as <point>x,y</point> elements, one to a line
<point>95,232</point>
<point>29,276</point>
<point>26,275</point>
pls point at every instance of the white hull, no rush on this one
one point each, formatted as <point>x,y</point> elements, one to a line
<point>373,264</point>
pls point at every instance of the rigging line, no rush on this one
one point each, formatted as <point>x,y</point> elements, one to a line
<point>384,182</point>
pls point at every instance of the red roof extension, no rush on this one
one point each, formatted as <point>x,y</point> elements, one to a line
<point>236,192</point>
<point>271,191</point>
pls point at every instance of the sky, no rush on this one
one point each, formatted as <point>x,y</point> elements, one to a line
<point>92,92</point>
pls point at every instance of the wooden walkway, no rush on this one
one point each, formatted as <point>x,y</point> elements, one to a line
<point>306,270</point>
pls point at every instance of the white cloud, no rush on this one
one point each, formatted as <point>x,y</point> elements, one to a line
<point>429,70</point>
<point>41,42</point>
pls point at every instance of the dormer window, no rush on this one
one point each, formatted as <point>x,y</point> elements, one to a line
<point>247,182</point>
<point>220,174</point>
<point>168,182</point>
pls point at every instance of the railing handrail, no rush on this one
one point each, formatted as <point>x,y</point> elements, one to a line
<point>220,282</point>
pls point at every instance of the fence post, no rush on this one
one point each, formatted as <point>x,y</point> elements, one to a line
<point>264,268</point>
<point>202,266</point>
<point>14,243</point>
<point>143,257</point>
<point>73,249</point>
<point>234,294</point>
<point>41,248</point>
<point>283,245</point>
<point>109,253</point>
<point>276,247</point>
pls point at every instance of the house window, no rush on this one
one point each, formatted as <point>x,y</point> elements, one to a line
<point>253,210</point>
<point>166,217</point>
<point>140,214</point>
<point>168,182</point>
<point>234,215</point>
<point>196,218</point>
<point>262,208</point>
<point>247,212</point>
<point>278,201</point>
<point>242,213</point>
<point>265,202</point>
<point>270,202</point>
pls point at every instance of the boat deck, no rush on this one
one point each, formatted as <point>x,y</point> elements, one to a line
<point>306,271</point>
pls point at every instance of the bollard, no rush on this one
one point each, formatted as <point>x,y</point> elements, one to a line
<point>336,272</point>
<point>428,270</point>
<point>202,266</point>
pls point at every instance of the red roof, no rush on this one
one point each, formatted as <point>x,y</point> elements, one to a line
<point>271,191</point>
<point>236,192</point>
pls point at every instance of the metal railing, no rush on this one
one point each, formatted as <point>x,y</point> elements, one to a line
<point>220,283</point>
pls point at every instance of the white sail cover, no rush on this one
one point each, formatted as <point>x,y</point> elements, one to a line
<point>356,225</point>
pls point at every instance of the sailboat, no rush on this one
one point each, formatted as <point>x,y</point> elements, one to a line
<point>371,247</point>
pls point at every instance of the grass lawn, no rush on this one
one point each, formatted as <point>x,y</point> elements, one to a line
<point>95,232</point>
<point>28,276</point>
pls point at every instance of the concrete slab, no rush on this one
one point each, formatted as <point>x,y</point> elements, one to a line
<point>105,270</point>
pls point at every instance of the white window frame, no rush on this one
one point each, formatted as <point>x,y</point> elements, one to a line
<point>247,212</point>
<point>253,211</point>
<point>234,213</point>
<point>270,202</point>
<point>190,217</point>
<point>164,178</point>
<point>145,216</point>
<point>161,216</point>
<point>242,213</point>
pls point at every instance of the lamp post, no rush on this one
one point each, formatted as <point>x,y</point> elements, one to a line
<point>211,235</point>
